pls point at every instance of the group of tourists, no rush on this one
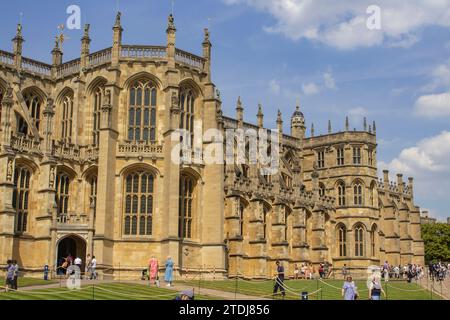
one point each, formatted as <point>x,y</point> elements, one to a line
<point>308,271</point>
<point>439,271</point>
<point>12,273</point>
<point>67,264</point>
<point>407,272</point>
<point>152,275</point>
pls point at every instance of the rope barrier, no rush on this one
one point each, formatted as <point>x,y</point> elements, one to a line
<point>43,292</point>
<point>134,295</point>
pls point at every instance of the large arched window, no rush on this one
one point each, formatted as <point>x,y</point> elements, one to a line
<point>358,194</point>
<point>138,209</point>
<point>62,195</point>
<point>359,241</point>
<point>67,118</point>
<point>341,193</point>
<point>187,104</point>
<point>142,112</point>
<point>342,238</point>
<point>96,114</point>
<point>34,103</point>
<point>186,207</point>
<point>20,198</point>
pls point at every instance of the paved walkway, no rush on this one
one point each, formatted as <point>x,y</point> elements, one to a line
<point>441,288</point>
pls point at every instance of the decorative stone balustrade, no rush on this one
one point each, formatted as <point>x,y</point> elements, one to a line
<point>139,148</point>
<point>68,68</point>
<point>143,52</point>
<point>189,59</point>
<point>6,57</point>
<point>73,219</point>
<point>36,67</point>
<point>100,57</point>
<point>23,143</point>
<point>67,151</point>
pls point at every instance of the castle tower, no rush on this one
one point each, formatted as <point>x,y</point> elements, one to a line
<point>18,41</point>
<point>260,116</point>
<point>298,124</point>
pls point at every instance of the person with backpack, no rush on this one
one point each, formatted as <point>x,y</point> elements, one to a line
<point>375,289</point>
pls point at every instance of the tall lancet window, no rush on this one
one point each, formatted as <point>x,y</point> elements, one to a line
<point>186,207</point>
<point>96,114</point>
<point>34,103</point>
<point>20,198</point>
<point>187,105</point>
<point>142,112</point>
<point>67,118</point>
<point>1,100</point>
<point>62,195</point>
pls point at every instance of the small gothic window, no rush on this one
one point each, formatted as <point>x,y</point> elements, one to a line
<point>358,194</point>
<point>359,241</point>
<point>342,237</point>
<point>341,194</point>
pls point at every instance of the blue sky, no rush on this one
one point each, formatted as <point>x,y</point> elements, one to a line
<point>277,52</point>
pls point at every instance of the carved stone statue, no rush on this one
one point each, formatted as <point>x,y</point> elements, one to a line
<point>171,23</point>
<point>86,29</point>
<point>107,97</point>
<point>9,171</point>
<point>174,100</point>
<point>52,177</point>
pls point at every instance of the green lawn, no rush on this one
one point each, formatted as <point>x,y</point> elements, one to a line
<point>109,291</point>
<point>27,282</point>
<point>330,290</point>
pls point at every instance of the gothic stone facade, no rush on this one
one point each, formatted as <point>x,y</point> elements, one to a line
<point>85,166</point>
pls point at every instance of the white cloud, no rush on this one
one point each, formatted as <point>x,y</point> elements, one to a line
<point>428,156</point>
<point>433,105</point>
<point>428,163</point>
<point>310,89</point>
<point>274,86</point>
<point>357,114</point>
<point>330,83</point>
<point>342,24</point>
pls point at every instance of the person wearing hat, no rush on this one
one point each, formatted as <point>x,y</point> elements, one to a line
<point>349,289</point>
<point>185,295</point>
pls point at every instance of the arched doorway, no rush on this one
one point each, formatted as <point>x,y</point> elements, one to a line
<point>71,245</point>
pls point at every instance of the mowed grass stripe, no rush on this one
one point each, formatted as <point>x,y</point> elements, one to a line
<point>330,290</point>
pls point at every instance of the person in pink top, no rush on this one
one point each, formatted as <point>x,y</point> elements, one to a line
<point>153,268</point>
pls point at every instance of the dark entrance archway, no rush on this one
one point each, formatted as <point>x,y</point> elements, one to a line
<point>71,245</point>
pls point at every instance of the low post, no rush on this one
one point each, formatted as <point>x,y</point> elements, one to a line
<point>236,287</point>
